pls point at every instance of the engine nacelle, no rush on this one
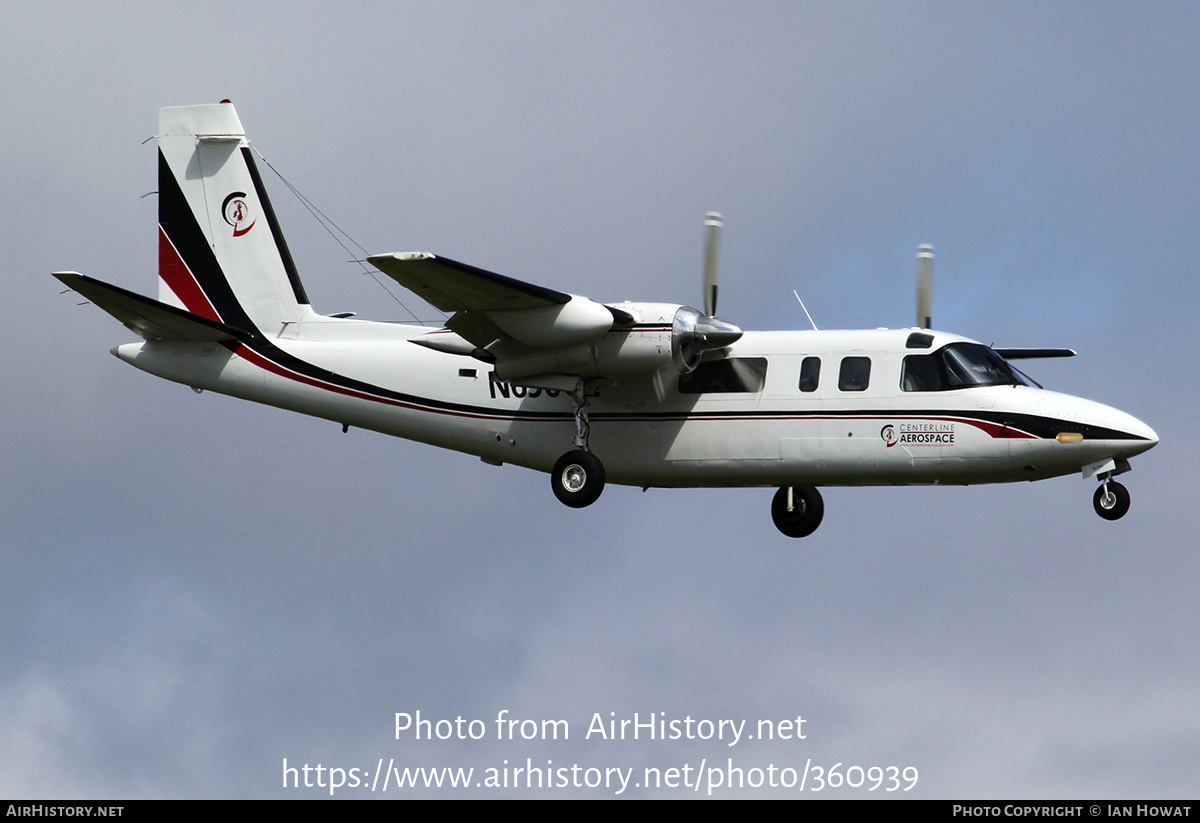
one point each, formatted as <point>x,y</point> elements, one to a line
<point>576,321</point>
<point>663,335</point>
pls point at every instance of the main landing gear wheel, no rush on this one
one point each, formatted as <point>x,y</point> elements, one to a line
<point>807,510</point>
<point>1111,500</point>
<point>577,479</point>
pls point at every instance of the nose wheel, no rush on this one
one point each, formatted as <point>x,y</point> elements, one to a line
<point>797,510</point>
<point>1111,500</point>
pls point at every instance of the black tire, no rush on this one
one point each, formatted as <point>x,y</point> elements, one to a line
<point>807,510</point>
<point>1115,505</point>
<point>577,479</point>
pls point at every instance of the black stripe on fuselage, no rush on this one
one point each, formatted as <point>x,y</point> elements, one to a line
<point>1032,424</point>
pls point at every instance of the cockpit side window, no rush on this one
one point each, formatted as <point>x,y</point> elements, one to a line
<point>974,365</point>
<point>957,366</point>
<point>810,374</point>
<point>855,374</point>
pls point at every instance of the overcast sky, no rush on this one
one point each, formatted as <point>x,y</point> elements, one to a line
<point>196,588</point>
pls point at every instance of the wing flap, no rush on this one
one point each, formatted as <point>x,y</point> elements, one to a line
<point>476,327</point>
<point>149,319</point>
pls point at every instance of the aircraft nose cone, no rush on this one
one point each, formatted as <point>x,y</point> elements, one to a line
<point>1147,438</point>
<point>1122,431</point>
<point>1142,430</point>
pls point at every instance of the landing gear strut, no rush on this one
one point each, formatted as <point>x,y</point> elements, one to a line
<point>1111,500</point>
<point>578,476</point>
<point>797,510</point>
<point>579,407</point>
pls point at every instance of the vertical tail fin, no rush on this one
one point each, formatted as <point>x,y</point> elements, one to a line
<point>221,253</point>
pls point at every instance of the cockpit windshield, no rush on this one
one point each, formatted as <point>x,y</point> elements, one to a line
<point>958,366</point>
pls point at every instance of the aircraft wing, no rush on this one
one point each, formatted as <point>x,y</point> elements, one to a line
<point>149,319</point>
<point>490,307</point>
<point>453,286</point>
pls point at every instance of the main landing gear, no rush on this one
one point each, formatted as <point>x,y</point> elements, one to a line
<point>1111,500</point>
<point>578,479</point>
<point>578,476</point>
<point>797,510</point>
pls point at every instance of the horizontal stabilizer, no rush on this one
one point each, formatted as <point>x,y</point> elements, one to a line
<point>148,318</point>
<point>452,286</point>
<point>1031,354</point>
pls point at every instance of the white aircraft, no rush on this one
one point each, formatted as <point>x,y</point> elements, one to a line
<point>641,394</point>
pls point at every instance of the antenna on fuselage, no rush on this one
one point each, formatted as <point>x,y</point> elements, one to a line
<point>806,314</point>
<point>924,285</point>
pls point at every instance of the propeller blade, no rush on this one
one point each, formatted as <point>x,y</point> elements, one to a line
<point>712,242</point>
<point>924,285</point>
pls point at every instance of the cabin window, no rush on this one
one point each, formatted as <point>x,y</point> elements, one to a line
<point>855,374</point>
<point>733,374</point>
<point>810,374</point>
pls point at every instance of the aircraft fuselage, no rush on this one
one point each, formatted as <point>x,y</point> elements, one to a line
<point>649,433</point>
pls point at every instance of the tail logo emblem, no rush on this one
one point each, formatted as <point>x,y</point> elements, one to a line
<point>236,212</point>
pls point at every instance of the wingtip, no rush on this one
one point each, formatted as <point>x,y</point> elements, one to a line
<point>401,256</point>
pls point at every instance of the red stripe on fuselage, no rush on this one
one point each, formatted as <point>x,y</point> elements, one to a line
<point>251,356</point>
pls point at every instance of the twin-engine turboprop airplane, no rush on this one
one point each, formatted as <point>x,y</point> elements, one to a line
<point>642,394</point>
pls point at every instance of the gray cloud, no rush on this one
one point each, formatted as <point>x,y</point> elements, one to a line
<point>197,588</point>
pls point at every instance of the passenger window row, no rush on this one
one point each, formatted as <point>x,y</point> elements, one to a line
<point>854,374</point>
<point>749,374</point>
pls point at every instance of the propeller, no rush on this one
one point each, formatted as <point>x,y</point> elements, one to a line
<point>695,333</point>
<point>712,247</point>
<point>924,285</point>
<point>711,331</point>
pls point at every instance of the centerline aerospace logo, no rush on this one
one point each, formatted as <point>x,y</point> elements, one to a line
<point>236,212</point>
<point>918,434</point>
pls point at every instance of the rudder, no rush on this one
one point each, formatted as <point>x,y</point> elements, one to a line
<point>221,252</point>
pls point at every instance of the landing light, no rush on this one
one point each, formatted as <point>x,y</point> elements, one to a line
<point>1069,437</point>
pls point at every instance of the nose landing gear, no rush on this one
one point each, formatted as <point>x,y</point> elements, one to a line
<point>1111,500</point>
